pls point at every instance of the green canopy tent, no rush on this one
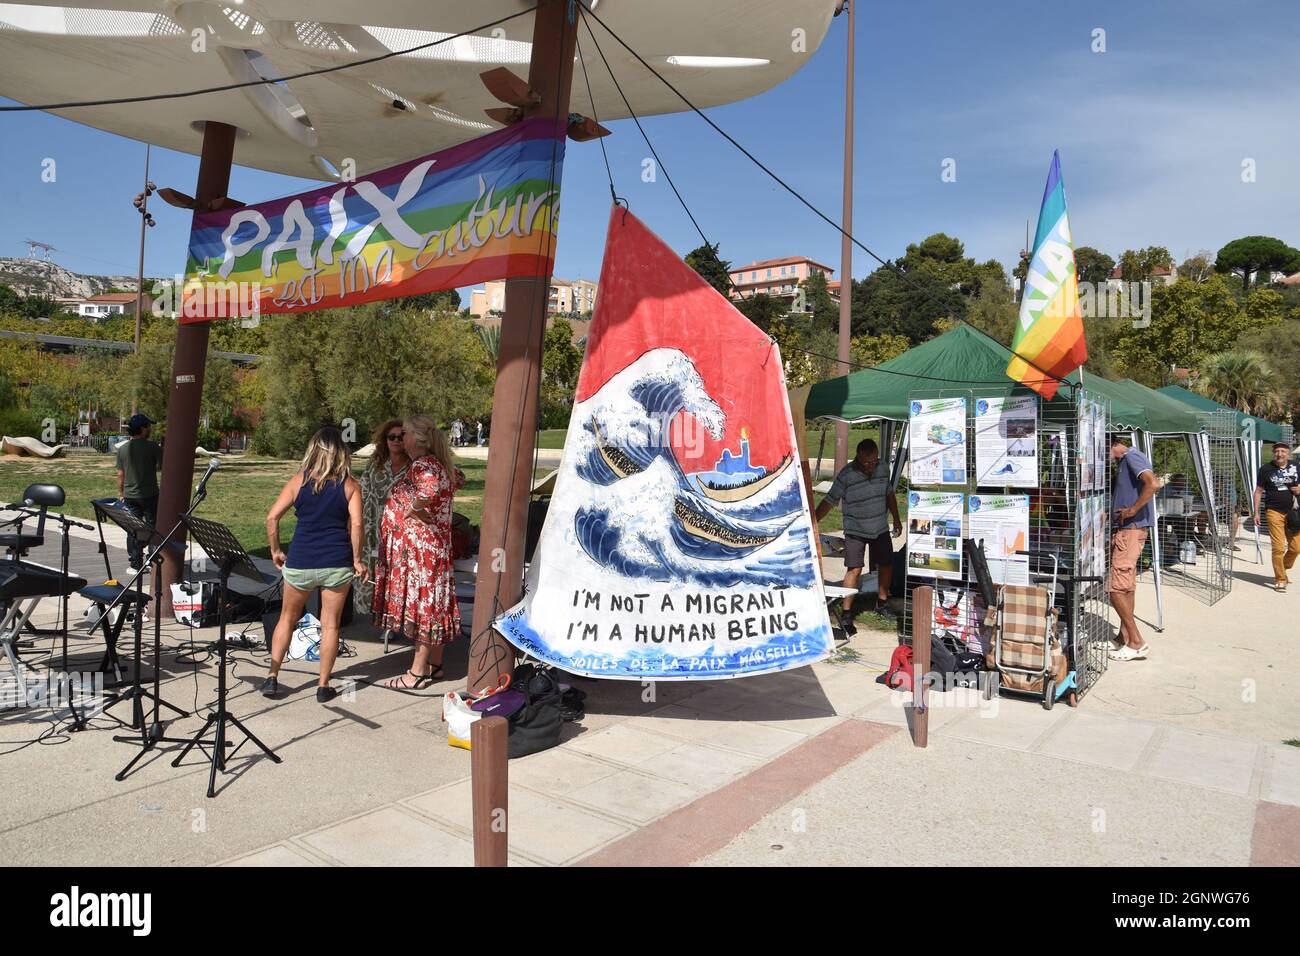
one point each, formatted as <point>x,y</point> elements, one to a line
<point>1170,418</point>
<point>1252,432</point>
<point>961,356</point>
<point>964,356</point>
<point>1264,430</point>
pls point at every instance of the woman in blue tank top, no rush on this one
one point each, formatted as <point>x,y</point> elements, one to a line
<point>325,551</point>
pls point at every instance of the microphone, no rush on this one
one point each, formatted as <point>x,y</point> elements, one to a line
<point>213,465</point>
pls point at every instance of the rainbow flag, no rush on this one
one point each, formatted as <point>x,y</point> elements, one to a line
<point>485,209</point>
<point>1049,342</point>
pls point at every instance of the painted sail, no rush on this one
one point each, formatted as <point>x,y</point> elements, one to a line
<point>678,543</point>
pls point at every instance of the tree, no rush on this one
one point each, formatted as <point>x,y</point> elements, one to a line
<point>148,377</point>
<point>1138,265</point>
<point>366,364</point>
<point>807,353</point>
<point>818,301</point>
<point>446,301</point>
<point>761,309</point>
<point>1189,322</point>
<point>1197,267</point>
<point>490,336</point>
<point>1092,265</point>
<point>1242,380</point>
<point>994,312</point>
<point>905,303</point>
<point>1281,345</point>
<point>933,280</point>
<point>561,363</point>
<point>10,301</point>
<point>1256,254</point>
<point>711,268</point>
<point>867,351</point>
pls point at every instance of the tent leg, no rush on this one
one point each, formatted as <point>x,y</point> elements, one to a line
<point>1143,440</point>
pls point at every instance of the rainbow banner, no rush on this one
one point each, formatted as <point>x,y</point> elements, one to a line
<point>486,209</point>
<point>1049,342</point>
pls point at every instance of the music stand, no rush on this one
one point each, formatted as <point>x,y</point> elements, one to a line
<point>223,547</point>
<point>150,735</point>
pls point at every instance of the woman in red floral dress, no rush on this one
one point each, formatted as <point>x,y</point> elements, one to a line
<point>415,593</point>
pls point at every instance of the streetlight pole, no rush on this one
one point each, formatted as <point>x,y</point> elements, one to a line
<point>143,207</point>
<point>846,244</point>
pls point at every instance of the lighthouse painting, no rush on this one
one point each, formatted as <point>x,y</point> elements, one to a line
<point>678,543</point>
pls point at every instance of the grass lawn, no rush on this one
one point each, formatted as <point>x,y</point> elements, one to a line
<point>239,495</point>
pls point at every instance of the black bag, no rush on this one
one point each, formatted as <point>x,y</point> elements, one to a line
<point>1293,517</point>
<point>536,725</point>
<point>942,660</point>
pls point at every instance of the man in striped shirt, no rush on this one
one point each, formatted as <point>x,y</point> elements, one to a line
<point>862,490</point>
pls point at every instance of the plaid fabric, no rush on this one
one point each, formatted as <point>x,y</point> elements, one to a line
<point>1024,626</point>
<point>1023,654</point>
<point>1024,613</point>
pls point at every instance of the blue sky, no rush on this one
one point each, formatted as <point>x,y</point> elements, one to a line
<point>1152,134</point>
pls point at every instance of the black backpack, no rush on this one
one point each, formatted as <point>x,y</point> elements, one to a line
<point>535,726</point>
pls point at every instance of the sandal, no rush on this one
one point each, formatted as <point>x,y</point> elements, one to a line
<point>422,681</point>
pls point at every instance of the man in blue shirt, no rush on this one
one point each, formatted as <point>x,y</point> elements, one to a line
<point>1132,513</point>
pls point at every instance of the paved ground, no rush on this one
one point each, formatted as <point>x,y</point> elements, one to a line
<point>1176,760</point>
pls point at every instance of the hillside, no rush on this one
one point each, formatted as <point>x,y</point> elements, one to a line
<point>38,277</point>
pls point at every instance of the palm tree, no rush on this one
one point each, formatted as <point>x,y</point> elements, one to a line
<point>490,335</point>
<point>1243,380</point>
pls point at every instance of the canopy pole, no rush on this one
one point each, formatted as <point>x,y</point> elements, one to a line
<point>1256,458</point>
<point>186,387</point>
<point>1144,441</point>
<point>842,453</point>
<point>499,581</point>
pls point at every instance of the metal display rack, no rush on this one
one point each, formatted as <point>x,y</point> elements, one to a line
<point>1061,523</point>
<point>1198,510</point>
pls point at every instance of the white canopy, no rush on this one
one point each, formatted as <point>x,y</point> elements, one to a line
<point>715,52</point>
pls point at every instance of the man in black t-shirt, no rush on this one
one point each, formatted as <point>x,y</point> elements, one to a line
<point>138,461</point>
<point>1277,486</point>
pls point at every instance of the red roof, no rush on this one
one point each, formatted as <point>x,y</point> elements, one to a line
<point>115,297</point>
<point>786,261</point>
<point>1118,272</point>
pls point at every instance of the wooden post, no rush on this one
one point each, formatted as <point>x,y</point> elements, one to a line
<point>499,582</point>
<point>186,388</point>
<point>922,618</point>
<point>490,789</point>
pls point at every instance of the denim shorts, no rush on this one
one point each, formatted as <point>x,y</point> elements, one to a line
<point>309,579</point>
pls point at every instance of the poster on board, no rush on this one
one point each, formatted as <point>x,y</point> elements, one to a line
<point>1006,441</point>
<point>1002,523</point>
<point>937,433</point>
<point>934,534</point>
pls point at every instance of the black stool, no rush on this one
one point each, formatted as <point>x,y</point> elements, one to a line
<point>101,596</point>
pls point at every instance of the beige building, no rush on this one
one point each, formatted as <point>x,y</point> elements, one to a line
<point>566,297</point>
<point>779,278</point>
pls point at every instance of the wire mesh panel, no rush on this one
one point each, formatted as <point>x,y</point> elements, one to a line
<point>1198,506</point>
<point>1032,483</point>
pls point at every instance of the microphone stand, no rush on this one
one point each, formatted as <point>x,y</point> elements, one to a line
<point>152,735</point>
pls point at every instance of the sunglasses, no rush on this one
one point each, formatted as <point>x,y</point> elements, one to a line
<point>398,437</point>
